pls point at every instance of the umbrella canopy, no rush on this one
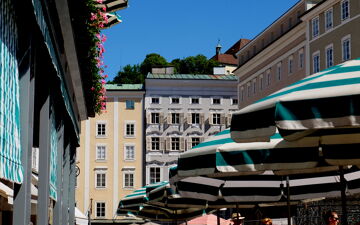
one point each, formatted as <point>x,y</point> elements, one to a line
<point>209,219</point>
<point>326,102</point>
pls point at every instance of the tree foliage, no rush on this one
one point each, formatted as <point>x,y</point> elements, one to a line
<point>136,74</point>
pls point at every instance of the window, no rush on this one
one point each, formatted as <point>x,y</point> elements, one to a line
<point>278,72</point>
<point>268,77</point>
<point>315,27</point>
<point>249,89</point>
<point>234,101</point>
<point>128,180</point>
<point>216,118</point>
<point>175,143</point>
<point>195,141</point>
<point>329,56</point>
<point>100,209</point>
<point>345,9</point>
<point>328,19</point>
<point>195,101</point>
<point>155,100</point>
<point>346,54</point>
<point>316,62</point>
<point>290,65</point>
<point>101,129</point>
<point>100,178</point>
<point>154,175</point>
<point>129,152</point>
<point>130,104</point>
<point>242,93</point>
<point>155,118</point>
<point>301,60</point>
<point>155,143</point>
<point>130,129</point>
<point>254,86</point>
<point>261,82</point>
<point>100,152</point>
<point>175,101</point>
<point>216,101</point>
<point>195,118</point>
<point>175,118</point>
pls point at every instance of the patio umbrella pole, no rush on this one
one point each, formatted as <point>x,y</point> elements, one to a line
<point>344,220</point>
<point>217,217</point>
<point>288,199</point>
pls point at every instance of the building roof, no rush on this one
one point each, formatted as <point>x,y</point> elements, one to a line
<point>124,87</point>
<point>191,77</point>
<point>229,56</point>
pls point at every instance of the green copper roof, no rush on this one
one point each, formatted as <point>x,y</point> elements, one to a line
<point>191,76</point>
<point>124,87</point>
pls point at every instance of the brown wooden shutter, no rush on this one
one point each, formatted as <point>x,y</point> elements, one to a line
<point>201,118</point>
<point>148,144</point>
<point>148,118</point>
<point>211,116</point>
<point>189,143</point>
<point>168,143</point>
<point>182,144</point>
<point>169,118</point>
<point>162,143</point>
<point>222,119</point>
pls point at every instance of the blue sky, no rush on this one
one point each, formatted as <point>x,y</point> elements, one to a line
<point>182,28</point>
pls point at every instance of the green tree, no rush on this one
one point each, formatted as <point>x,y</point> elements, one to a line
<point>150,61</point>
<point>129,75</point>
<point>194,65</point>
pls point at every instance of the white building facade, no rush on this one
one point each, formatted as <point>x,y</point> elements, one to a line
<point>181,111</point>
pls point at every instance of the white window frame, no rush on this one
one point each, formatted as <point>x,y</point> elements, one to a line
<point>316,54</point>
<point>159,142</point>
<point>342,10</point>
<point>327,20</point>
<point>216,118</point>
<point>291,65</point>
<point>315,27</point>
<point>261,82</point>
<point>192,141</point>
<point>301,59</point>
<point>128,172</point>
<point>129,122</point>
<point>327,63</point>
<point>158,118</point>
<point>175,119</point>
<point>253,86</point>
<point>97,129</point>
<point>173,142</point>
<point>278,71</point>
<point>102,171</point>
<point>97,152</point>
<point>96,209</point>
<point>216,98</point>
<point>234,101</point>
<point>160,173</point>
<point>154,97</point>
<point>194,118</point>
<point>195,97</point>
<point>172,100</point>
<point>346,38</point>
<point>126,145</point>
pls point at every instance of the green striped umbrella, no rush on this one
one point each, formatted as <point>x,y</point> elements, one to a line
<point>325,103</point>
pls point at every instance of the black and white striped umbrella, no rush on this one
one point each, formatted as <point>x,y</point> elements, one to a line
<point>321,104</point>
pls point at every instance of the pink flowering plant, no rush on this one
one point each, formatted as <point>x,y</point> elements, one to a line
<point>96,21</point>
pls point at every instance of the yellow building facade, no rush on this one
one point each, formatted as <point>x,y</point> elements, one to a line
<point>110,156</point>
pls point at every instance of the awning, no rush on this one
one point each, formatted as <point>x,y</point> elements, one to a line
<point>113,5</point>
<point>321,104</point>
<point>113,19</point>
<point>80,218</point>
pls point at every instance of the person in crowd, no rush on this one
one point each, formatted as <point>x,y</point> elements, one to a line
<point>237,219</point>
<point>331,218</point>
<point>266,221</point>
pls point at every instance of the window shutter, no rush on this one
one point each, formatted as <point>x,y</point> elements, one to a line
<point>222,119</point>
<point>229,116</point>
<point>201,139</point>
<point>169,115</point>
<point>182,118</point>
<point>162,144</point>
<point>201,118</point>
<point>182,144</point>
<point>148,118</point>
<point>148,144</point>
<point>189,118</point>
<point>161,118</point>
<point>211,118</point>
<point>168,144</point>
<point>189,143</point>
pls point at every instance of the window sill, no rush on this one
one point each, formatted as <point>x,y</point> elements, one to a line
<point>101,160</point>
<point>130,137</point>
<point>101,137</point>
<point>129,160</point>
<point>100,188</point>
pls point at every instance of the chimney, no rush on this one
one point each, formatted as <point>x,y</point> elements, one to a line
<point>162,70</point>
